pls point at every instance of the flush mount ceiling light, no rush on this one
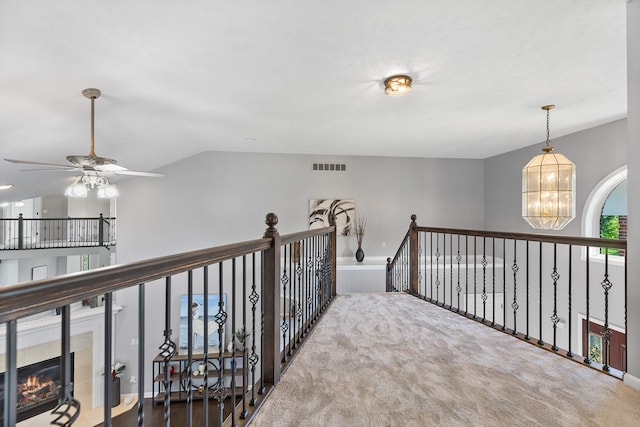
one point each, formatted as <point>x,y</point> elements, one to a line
<point>397,85</point>
<point>549,188</point>
<point>5,186</point>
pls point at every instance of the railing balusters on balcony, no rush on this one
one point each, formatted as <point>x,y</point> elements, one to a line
<point>11,374</point>
<point>540,340</point>
<point>141,351</point>
<point>552,267</point>
<point>44,233</point>
<point>569,296</point>
<point>514,304</point>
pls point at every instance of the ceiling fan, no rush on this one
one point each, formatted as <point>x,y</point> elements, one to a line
<point>90,164</point>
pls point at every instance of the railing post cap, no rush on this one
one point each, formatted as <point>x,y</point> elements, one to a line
<point>271,220</point>
<point>413,220</point>
<point>388,260</point>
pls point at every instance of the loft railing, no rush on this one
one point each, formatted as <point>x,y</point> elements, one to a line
<point>45,233</point>
<point>548,290</point>
<point>271,290</point>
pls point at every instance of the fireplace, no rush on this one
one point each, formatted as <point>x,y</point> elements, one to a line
<point>38,387</point>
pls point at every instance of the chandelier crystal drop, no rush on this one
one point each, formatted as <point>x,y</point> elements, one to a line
<point>549,188</point>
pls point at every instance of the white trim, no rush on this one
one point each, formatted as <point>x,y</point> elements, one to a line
<point>593,207</point>
<point>631,381</point>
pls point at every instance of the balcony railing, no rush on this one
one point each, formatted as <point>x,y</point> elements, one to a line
<point>274,288</point>
<point>45,233</point>
<point>547,290</point>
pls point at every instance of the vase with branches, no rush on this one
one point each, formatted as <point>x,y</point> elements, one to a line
<point>361,225</point>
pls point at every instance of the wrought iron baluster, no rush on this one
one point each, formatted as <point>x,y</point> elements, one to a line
<point>253,358</point>
<point>289,306</point>
<point>606,333</point>
<point>437,269</point>
<point>444,270</point>
<point>504,284</point>
<point>493,281</point>
<point>168,349</point>
<point>68,409</point>
<point>475,276</point>
<point>219,391</point>
<point>284,326</point>
<point>431,268</point>
<point>232,388</point>
<point>108,336</point>
<point>458,288</point>
<point>554,318</point>
<point>11,374</point>
<point>450,271</point>
<point>569,352</point>
<point>514,304</point>
<point>466,274</point>
<point>526,336</point>
<point>540,341</point>
<point>189,368</point>
<point>205,351</point>
<point>587,357</point>
<point>141,352</point>
<point>484,279</point>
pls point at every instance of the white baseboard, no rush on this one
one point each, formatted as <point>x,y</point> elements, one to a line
<point>631,381</point>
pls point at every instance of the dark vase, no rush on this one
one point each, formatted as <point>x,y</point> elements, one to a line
<point>115,392</point>
<point>359,254</point>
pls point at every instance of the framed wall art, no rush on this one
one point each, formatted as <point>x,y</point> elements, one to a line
<point>343,209</point>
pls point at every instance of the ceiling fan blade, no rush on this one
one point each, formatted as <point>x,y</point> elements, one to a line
<point>27,162</point>
<point>135,173</point>
<point>67,169</point>
<point>109,167</point>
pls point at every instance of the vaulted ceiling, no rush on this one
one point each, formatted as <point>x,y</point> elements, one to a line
<point>292,76</point>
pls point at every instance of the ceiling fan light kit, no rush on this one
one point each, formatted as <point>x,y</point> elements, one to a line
<point>397,85</point>
<point>92,166</point>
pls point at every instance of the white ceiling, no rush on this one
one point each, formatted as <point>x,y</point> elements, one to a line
<point>299,76</point>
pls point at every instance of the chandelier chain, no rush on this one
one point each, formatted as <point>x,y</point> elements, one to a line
<point>548,143</point>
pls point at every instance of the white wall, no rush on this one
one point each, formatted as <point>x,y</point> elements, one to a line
<point>216,198</point>
<point>633,176</point>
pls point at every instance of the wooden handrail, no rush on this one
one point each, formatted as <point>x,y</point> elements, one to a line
<point>301,235</point>
<point>534,237</point>
<point>34,297</point>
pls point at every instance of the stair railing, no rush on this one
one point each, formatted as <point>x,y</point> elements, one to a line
<point>268,295</point>
<point>549,290</point>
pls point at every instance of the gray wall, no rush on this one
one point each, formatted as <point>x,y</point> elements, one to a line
<point>216,198</point>
<point>633,174</point>
<point>596,152</point>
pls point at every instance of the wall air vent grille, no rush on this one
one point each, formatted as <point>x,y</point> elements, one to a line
<point>329,167</point>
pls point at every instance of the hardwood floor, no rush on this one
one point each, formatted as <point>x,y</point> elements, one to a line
<point>154,414</point>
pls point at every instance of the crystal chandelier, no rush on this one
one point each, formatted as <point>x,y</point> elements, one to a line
<point>82,185</point>
<point>549,188</point>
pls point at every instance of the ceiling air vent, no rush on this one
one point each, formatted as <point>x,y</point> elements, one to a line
<point>330,167</point>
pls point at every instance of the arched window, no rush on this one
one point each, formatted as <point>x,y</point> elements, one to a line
<point>605,213</point>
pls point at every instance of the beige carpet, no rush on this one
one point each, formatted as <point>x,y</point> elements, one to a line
<point>393,360</point>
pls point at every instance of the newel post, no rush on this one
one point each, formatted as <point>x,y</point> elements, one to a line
<point>20,232</point>
<point>413,255</point>
<point>271,302</point>
<point>334,251</point>
<point>389,287</point>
